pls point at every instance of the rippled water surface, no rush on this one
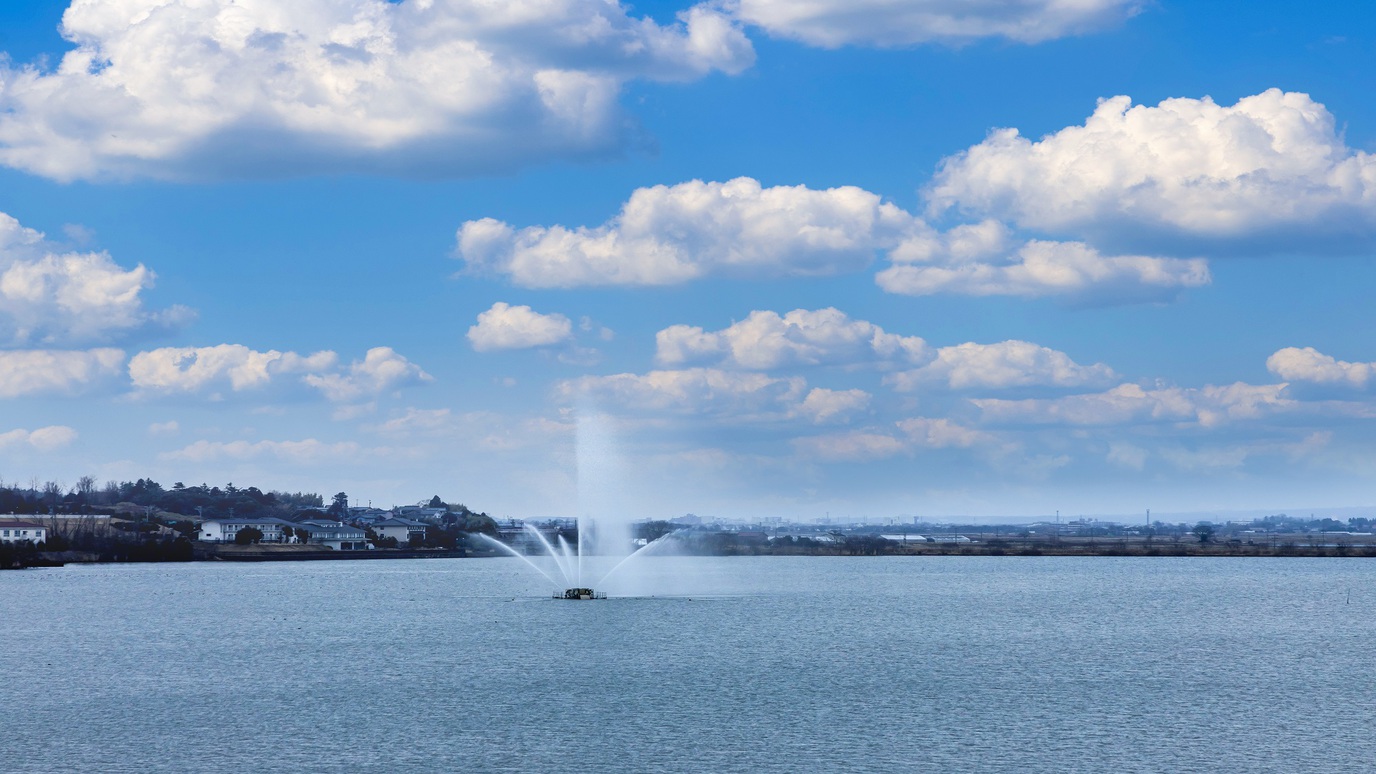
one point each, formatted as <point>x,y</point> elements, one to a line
<point>1027,664</point>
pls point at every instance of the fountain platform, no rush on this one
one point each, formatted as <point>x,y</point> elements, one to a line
<point>580,594</point>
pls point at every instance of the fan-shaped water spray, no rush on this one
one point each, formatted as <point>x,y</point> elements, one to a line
<point>604,521</point>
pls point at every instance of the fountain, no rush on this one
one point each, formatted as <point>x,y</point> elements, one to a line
<point>600,491</point>
<point>571,572</point>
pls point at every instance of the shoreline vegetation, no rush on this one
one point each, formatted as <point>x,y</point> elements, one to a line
<point>142,521</point>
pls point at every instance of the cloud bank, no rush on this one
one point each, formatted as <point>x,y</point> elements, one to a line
<point>669,235</point>
<point>229,88</point>
<point>237,368</point>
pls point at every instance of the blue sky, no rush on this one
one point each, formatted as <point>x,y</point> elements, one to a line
<point>786,256</point>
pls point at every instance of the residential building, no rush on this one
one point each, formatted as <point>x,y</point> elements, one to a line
<point>335,534</point>
<point>223,530</point>
<point>399,528</point>
<point>16,531</point>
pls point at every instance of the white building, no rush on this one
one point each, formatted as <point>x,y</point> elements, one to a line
<point>12,531</point>
<point>399,528</point>
<point>223,530</point>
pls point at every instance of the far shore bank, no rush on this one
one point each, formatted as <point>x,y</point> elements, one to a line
<point>1280,547</point>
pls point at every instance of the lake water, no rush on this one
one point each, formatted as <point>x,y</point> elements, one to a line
<point>766,664</point>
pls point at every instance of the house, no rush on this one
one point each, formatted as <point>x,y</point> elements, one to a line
<point>364,517</point>
<point>223,530</point>
<point>13,531</point>
<point>399,528</point>
<point>334,534</point>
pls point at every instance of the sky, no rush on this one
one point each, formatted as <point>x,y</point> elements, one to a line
<point>868,259</point>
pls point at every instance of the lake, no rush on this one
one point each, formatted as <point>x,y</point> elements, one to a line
<point>750,664</point>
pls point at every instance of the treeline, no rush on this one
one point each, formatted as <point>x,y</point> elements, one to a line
<point>200,500</point>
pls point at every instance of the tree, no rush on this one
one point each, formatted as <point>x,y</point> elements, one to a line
<point>248,535</point>
<point>436,502</point>
<point>340,507</point>
<point>1204,531</point>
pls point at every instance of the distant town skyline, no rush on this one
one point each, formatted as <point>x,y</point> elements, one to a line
<point>745,259</point>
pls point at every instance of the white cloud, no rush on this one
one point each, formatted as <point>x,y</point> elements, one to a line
<point>983,260</point>
<point>835,23</point>
<point>914,434</point>
<point>694,391</point>
<point>1309,365</point>
<point>191,369</point>
<point>43,372</point>
<point>47,296</point>
<point>44,439</point>
<point>672,234</point>
<point>940,433</point>
<point>854,446</point>
<point>518,327</point>
<point>765,340</point>
<point>170,427</point>
<point>824,406</point>
<point>381,370</point>
<point>1207,406</point>
<point>198,88</point>
<point>1003,365</point>
<point>239,368</point>
<point>1272,162</point>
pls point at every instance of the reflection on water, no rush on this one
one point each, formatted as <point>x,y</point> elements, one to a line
<point>1037,664</point>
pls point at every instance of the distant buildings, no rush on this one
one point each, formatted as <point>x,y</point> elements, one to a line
<point>323,532</point>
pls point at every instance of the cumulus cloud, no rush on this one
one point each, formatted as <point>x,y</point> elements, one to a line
<point>694,391</point>
<point>1309,365</point>
<point>46,372</point>
<point>940,433</point>
<point>836,23</point>
<point>765,340</point>
<point>199,88</point>
<point>672,234</point>
<point>381,370</point>
<point>191,369</point>
<point>984,260</point>
<point>52,297</point>
<point>238,368</point>
<point>518,327</point>
<point>913,434</point>
<point>44,439</point>
<point>1271,162</point>
<point>1004,365</point>
<point>1207,406</point>
<point>824,406</point>
<point>853,446</point>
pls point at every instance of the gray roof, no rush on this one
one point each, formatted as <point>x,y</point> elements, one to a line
<point>400,522</point>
